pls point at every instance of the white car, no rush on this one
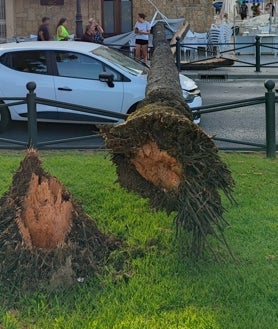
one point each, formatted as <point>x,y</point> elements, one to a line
<point>78,73</point>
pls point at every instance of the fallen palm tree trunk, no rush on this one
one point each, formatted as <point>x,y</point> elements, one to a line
<point>161,154</point>
<point>46,239</point>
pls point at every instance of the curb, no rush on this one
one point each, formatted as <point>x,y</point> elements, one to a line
<point>227,75</point>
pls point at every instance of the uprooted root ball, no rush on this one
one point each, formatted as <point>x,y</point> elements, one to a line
<point>162,155</point>
<point>46,239</point>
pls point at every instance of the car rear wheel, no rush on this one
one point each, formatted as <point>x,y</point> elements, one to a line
<point>5,118</point>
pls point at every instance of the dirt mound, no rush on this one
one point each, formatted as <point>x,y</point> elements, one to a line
<point>46,239</point>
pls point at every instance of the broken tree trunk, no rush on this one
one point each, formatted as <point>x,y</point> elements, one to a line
<point>46,239</point>
<point>161,154</point>
<point>181,33</point>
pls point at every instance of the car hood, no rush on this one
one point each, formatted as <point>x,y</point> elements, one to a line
<point>187,83</point>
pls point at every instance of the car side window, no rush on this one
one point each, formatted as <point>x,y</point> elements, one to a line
<point>75,65</point>
<point>26,61</point>
<point>117,76</point>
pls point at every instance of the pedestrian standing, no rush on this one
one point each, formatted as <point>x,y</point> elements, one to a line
<point>243,10</point>
<point>270,8</point>
<point>62,33</point>
<point>43,31</point>
<point>97,31</point>
<point>256,8</point>
<point>88,34</point>
<point>142,30</point>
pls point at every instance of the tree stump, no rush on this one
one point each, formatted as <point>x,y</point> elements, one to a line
<point>46,239</point>
<point>162,155</point>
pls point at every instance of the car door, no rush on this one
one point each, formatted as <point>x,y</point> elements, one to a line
<point>21,67</point>
<point>77,82</point>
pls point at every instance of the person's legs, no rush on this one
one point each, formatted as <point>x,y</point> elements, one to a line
<point>145,53</point>
<point>137,52</point>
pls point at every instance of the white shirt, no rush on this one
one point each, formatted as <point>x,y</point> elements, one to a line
<point>144,27</point>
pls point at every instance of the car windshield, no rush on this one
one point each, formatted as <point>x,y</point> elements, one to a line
<point>124,62</point>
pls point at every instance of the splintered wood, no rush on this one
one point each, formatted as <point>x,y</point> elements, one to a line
<point>158,167</point>
<point>181,33</point>
<point>45,218</point>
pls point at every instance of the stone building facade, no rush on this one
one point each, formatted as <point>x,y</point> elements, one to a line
<point>22,17</point>
<point>199,13</point>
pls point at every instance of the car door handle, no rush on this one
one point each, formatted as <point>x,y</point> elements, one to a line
<point>65,89</point>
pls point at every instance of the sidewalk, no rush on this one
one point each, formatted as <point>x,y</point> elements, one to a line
<point>237,71</point>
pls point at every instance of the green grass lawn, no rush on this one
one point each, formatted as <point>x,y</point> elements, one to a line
<point>161,287</point>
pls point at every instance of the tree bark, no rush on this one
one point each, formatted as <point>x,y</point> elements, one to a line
<point>163,79</point>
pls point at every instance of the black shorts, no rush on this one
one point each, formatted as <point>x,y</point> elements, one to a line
<point>141,42</point>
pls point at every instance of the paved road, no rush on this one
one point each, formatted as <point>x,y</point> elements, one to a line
<point>52,131</point>
<point>246,124</point>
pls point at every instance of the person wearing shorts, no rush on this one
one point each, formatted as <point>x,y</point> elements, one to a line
<point>142,30</point>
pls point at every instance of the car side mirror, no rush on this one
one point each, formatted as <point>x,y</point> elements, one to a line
<point>108,78</point>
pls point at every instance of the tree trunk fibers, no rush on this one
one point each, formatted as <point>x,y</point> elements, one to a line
<point>45,237</point>
<point>162,155</point>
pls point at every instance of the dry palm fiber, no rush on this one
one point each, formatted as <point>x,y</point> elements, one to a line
<point>162,155</point>
<point>46,239</point>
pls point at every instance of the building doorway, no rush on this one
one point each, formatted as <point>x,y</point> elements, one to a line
<point>117,16</point>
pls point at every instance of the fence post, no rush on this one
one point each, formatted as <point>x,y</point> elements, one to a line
<point>258,54</point>
<point>270,119</point>
<point>178,53</point>
<point>32,115</point>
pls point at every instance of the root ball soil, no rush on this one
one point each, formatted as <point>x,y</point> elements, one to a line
<point>46,239</point>
<point>165,157</point>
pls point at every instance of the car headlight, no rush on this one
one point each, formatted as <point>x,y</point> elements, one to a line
<point>187,96</point>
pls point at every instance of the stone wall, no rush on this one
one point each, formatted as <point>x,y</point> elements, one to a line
<point>199,13</point>
<point>27,14</point>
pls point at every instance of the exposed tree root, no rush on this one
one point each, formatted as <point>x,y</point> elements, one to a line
<point>46,239</point>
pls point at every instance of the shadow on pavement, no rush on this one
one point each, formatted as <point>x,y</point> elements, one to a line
<point>53,131</point>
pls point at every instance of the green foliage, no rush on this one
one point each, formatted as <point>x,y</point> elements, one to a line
<point>162,287</point>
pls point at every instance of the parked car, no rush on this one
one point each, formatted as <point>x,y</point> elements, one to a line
<point>78,73</point>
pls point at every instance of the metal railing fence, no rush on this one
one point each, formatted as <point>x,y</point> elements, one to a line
<point>31,100</point>
<point>221,50</point>
<point>270,116</point>
<point>212,51</point>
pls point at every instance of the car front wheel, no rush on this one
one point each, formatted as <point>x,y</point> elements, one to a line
<point>133,108</point>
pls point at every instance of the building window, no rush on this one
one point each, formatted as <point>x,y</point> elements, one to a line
<point>117,16</point>
<point>2,20</point>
